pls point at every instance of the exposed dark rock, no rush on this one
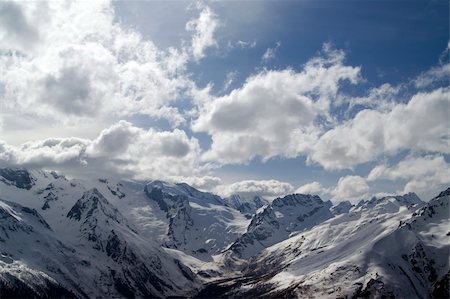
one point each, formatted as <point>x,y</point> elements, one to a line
<point>20,178</point>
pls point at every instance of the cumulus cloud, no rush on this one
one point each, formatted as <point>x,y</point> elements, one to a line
<point>44,153</point>
<point>274,112</point>
<point>205,183</point>
<point>421,174</point>
<point>352,188</point>
<point>269,188</point>
<point>420,125</point>
<point>381,98</point>
<point>311,188</point>
<point>121,149</point>
<point>203,30</point>
<point>83,63</point>
<point>69,63</point>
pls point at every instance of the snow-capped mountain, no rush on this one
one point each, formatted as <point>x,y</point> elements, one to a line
<point>246,204</point>
<point>81,245</point>
<point>122,238</point>
<point>388,248</point>
<point>199,223</point>
<point>281,219</point>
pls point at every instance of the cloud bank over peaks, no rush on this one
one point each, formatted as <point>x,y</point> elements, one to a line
<point>418,173</point>
<point>121,149</point>
<point>265,188</point>
<point>352,188</point>
<point>311,188</point>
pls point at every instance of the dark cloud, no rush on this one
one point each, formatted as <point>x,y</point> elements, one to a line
<point>16,28</point>
<point>70,92</point>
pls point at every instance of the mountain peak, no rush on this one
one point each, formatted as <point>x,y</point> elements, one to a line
<point>91,202</point>
<point>246,204</point>
<point>408,199</point>
<point>444,193</point>
<point>183,189</point>
<point>342,207</point>
<point>298,199</point>
<point>19,177</point>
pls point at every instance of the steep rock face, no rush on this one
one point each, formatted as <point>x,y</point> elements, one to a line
<point>14,218</point>
<point>31,255</point>
<point>247,205</point>
<point>136,271</point>
<point>180,224</point>
<point>49,195</point>
<point>37,285</point>
<point>95,215</point>
<point>17,177</point>
<point>278,221</point>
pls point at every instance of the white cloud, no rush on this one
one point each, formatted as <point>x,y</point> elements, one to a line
<point>43,153</point>
<point>274,112</point>
<point>420,125</point>
<point>205,183</point>
<point>311,188</point>
<point>71,63</point>
<point>433,75</point>
<point>203,30</point>
<point>270,53</point>
<point>16,32</point>
<point>351,188</point>
<point>121,149</point>
<point>421,174</point>
<point>410,167</point>
<point>269,188</point>
<point>381,98</point>
<point>245,45</point>
<point>231,77</point>
<point>84,64</point>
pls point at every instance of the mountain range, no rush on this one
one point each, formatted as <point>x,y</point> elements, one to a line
<point>110,238</point>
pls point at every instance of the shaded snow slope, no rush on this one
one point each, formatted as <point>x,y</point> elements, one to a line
<point>79,245</point>
<point>246,204</point>
<point>199,223</point>
<point>386,248</point>
<point>281,219</point>
<point>123,238</point>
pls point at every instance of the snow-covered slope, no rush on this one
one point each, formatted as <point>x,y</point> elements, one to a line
<point>25,238</point>
<point>387,247</point>
<point>81,244</point>
<point>199,223</point>
<point>121,238</point>
<point>282,218</point>
<point>246,204</point>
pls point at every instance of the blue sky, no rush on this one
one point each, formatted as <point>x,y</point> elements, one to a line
<point>184,91</point>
